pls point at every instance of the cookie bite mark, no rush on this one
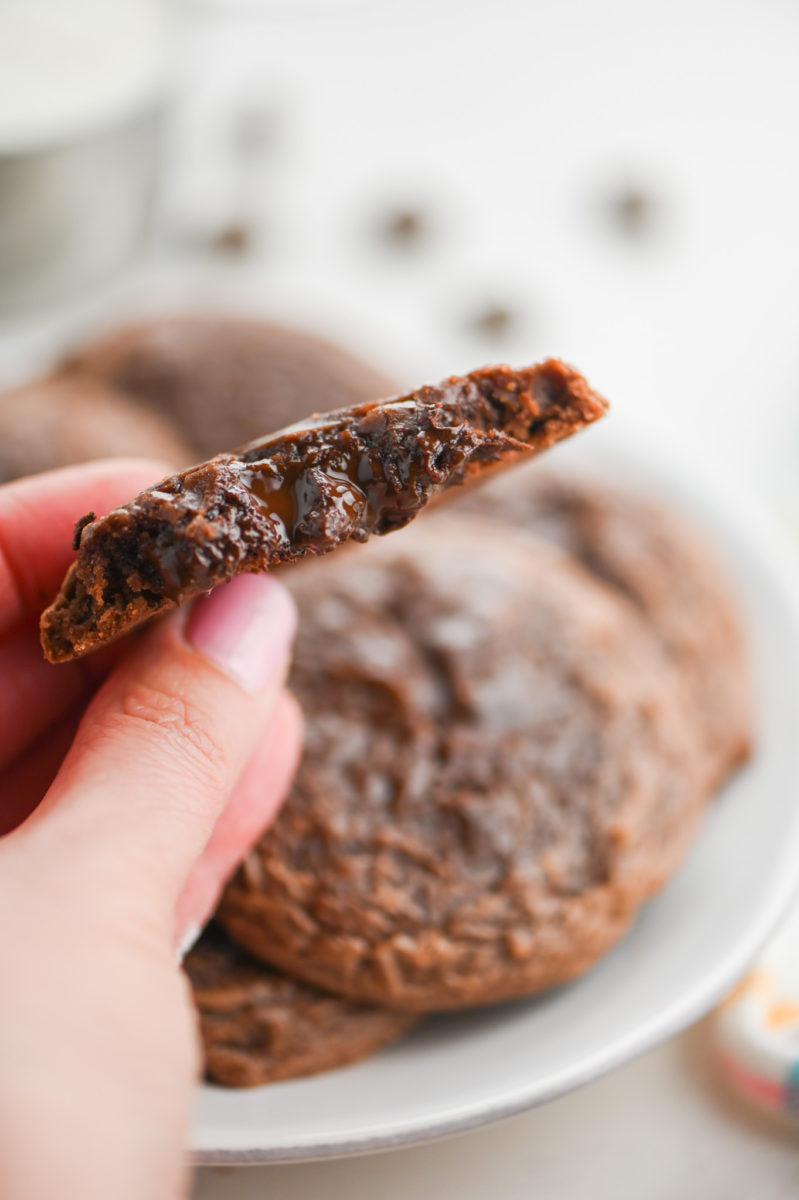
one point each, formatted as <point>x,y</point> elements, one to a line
<point>304,491</point>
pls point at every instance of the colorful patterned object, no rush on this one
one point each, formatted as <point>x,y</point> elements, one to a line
<point>757,1027</point>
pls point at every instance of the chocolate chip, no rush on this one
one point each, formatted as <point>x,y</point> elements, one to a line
<point>495,321</point>
<point>633,210</point>
<point>405,228</point>
<point>235,240</point>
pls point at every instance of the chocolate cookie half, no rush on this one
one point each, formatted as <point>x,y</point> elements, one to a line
<point>651,556</point>
<point>224,380</point>
<point>304,490</point>
<point>498,770</point>
<point>258,1026</point>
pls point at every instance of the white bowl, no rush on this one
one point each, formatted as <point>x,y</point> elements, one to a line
<point>83,99</point>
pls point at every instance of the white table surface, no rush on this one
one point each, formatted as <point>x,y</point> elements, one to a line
<point>506,120</point>
<point>662,1128</point>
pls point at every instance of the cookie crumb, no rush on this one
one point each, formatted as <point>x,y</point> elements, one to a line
<point>80,525</point>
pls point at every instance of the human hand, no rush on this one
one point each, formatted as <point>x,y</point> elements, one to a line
<point>144,774</point>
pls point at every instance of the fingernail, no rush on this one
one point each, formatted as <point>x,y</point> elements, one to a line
<point>246,628</point>
<point>186,943</point>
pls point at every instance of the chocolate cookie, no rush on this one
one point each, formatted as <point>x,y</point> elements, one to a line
<point>498,770</point>
<point>652,557</point>
<point>55,423</point>
<point>304,490</point>
<point>258,1026</point>
<point>225,380</point>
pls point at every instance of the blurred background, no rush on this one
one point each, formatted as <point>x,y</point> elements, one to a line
<point>435,184</point>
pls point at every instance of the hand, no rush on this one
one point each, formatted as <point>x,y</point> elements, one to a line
<point>140,777</point>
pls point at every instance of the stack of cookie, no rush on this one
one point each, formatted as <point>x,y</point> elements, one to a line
<point>181,388</point>
<point>516,713</point>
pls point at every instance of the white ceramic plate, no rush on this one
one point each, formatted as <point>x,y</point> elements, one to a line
<point>687,948</point>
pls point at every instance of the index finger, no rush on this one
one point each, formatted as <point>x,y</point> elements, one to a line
<point>37,521</point>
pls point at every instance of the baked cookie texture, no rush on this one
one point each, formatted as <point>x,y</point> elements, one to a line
<point>224,380</point>
<point>259,1026</point>
<point>57,422</point>
<point>498,771</point>
<point>180,389</point>
<point>305,490</point>
<point>650,555</point>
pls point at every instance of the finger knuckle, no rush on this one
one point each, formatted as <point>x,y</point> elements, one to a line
<point>183,730</point>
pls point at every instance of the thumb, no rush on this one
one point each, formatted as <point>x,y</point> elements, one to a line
<point>165,739</point>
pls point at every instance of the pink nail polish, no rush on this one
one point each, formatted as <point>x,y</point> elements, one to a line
<point>246,628</point>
